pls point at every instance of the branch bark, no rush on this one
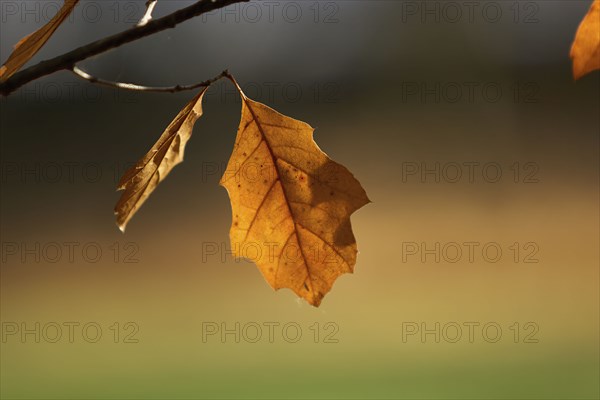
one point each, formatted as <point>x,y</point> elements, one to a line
<point>68,60</point>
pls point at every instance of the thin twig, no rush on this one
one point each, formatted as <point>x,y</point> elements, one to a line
<point>69,59</point>
<point>150,4</point>
<point>132,86</point>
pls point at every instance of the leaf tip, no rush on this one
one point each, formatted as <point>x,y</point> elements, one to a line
<point>121,224</point>
<point>317,300</point>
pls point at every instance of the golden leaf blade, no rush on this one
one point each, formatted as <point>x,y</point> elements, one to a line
<point>291,204</point>
<point>140,180</point>
<point>28,46</point>
<point>585,51</point>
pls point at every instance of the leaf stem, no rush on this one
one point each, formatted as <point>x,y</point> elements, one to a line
<point>140,88</point>
<point>232,79</point>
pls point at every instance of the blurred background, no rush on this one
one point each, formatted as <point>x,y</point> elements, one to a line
<point>478,268</point>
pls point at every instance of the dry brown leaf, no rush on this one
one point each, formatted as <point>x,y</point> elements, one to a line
<point>585,51</point>
<point>141,180</point>
<point>28,46</point>
<point>291,204</point>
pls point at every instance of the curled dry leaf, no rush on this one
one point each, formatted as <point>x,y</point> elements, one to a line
<point>291,204</point>
<point>141,180</point>
<point>585,51</point>
<point>30,44</point>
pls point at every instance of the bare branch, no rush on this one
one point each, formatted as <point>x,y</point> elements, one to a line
<point>68,60</point>
<point>132,86</point>
<point>150,4</point>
